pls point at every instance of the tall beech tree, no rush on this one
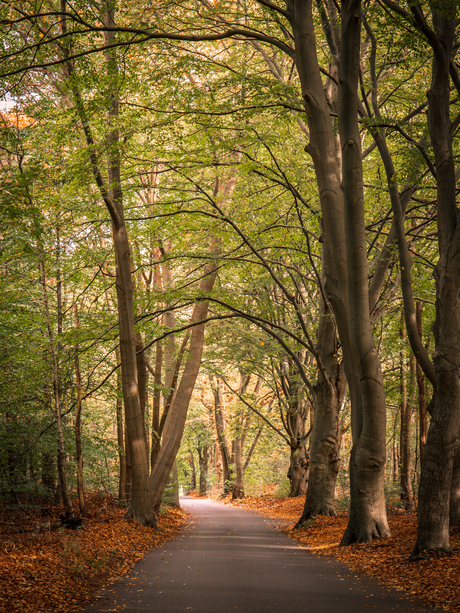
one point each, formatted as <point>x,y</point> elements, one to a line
<point>441,449</point>
<point>332,107</point>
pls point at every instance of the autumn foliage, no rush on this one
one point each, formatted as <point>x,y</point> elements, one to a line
<point>434,580</point>
<point>46,567</point>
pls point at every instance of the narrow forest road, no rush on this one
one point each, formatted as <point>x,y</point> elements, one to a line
<point>230,560</point>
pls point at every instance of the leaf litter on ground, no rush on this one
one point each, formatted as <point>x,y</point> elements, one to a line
<point>46,567</point>
<point>434,581</point>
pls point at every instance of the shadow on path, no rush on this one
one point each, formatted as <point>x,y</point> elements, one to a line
<point>230,560</point>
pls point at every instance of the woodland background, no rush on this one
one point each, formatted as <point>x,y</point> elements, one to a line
<point>165,175</point>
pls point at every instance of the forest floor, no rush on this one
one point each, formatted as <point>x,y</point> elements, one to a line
<point>46,567</point>
<point>435,581</point>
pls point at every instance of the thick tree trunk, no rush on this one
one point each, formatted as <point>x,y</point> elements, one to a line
<point>444,432</point>
<point>345,258</point>
<point>299,470</point>
<point>367,463</point>
<point>454,509</point>
<point>324,454</point>
<point>330,390</point>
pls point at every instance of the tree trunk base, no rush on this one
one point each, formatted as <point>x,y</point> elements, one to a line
<point>365,530</point>
<point>324,510</point>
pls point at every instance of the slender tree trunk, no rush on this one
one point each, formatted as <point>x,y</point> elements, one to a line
<point>238,488</point>
<point>112,196</point>
<point>345,258</point>
<point>156,405</point>
<point>191,460</point>
<point>203,458</point>
<point>178,412</point>
<point>129,471</point>
<point>81,494</point>
<point>422,411</point>
<point>62,462</point>
<point>141,504</point>
<point>405,410</point>
<point>122,490</point>
<point>221,438</point>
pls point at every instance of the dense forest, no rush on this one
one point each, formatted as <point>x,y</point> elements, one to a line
<point>229,255</point>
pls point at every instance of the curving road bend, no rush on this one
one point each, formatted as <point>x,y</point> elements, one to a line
<point>230,560</point>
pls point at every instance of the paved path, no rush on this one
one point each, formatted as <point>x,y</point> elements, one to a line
<point>233,561</point>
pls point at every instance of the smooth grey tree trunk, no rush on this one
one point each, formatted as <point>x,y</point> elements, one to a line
<point>444,432</point>
<point>345,261</point>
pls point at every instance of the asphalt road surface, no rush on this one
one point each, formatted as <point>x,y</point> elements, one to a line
<point>233,561</point>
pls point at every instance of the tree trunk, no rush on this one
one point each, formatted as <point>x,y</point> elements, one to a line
<point>156,405</point>
<point>444,432</point>
<point>192,484</point>
<point>345,258</point>
<point>112,196</point>
<point>367,463</point>
<point>330,390</point>
<point>203,458</point>
<point>141,504</point>
<point>62,462</point>
<point>405,410</point>
<point>422,411</point>
<point>238,487</point>
<point>81,494</point>
<point>178,412</point>
<point>122,493</point>
<point>298,470</point>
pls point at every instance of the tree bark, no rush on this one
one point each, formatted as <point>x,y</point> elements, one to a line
<point>78,449</point>
<point>345,258</point>
<point>112,196</point>
<point>122,478</point>
<point>203,458</point>
<point>405,410</point>
<point>191,460</point>
<point>444,432</point>
<point>367,463</point>
<point>178,412</point>
<point>62,455</point>
<point>330,390</point>
<point>224,449</point>
<point>422,411</point>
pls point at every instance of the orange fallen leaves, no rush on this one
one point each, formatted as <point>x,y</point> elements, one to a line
<point>434,581</point>
<point>43,568</point>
